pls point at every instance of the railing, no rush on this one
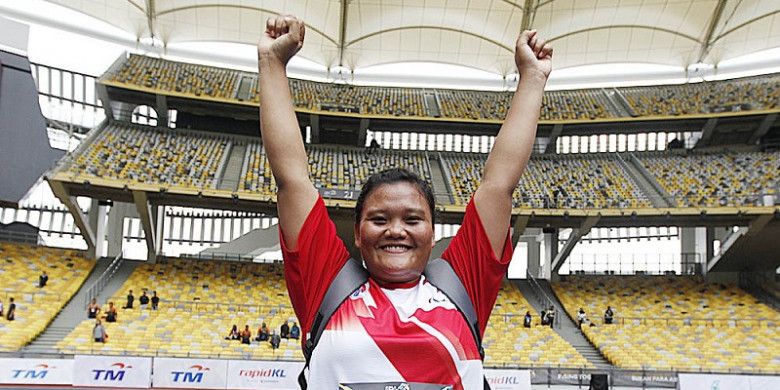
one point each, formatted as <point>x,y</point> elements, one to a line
<point>197,305</point>
<point>244,258</point>
<point>542,296</point>
<point>105,277</point>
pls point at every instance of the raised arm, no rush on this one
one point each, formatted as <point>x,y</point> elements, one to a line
<point>279,128</point>
<point>515,139</point>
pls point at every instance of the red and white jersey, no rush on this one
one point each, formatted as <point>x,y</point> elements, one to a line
<point>402,333</point>
<point>407,334</point>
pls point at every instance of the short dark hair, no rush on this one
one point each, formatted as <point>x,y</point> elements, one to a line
<point>391,176</point>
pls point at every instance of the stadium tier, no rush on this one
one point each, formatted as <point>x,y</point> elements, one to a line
<point>205,82</point>
<point>716,180</point>
<point>673,322</point>
<point>22,265</point>
<point>194,160</point>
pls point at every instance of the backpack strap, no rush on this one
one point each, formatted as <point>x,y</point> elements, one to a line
<point>440,273</point>
<point>351,276</point>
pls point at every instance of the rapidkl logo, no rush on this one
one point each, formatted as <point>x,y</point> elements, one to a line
<point>116,374</point>
<point>195,375</point>
<point>38,372</point>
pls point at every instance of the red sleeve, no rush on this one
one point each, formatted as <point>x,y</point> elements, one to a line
<point>474,262</point>
<point>310,268</point>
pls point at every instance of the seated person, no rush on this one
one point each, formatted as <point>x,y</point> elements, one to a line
<point>295,331</point>
<point>527,319</point>
<point>246,335</point>
<point>275,340</point>
<point>609,314</point>
<point>233,335</point>
<point>11,310</point>
<point>262,333</point>
<point>93,309</point>
<point>43,279</point>
<point>581,317</point>
<point>111,312</point>
<point>144,300</point>
<point>99,332</point>
<point>285,331</point>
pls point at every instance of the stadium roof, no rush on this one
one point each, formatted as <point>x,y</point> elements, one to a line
<point>478,33</point>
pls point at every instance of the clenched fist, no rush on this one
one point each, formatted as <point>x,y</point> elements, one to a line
<point>283,38</point>
<point>533,54</point>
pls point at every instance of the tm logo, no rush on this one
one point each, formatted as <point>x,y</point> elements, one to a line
<point>190,376</point>
<point>111,374</point>
<point>38,372</point>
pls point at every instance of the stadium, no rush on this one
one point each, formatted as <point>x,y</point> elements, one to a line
<point>136,189</point>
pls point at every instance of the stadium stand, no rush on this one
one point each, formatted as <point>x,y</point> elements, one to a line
<point>754,93</point>
<point>673,322</point>
<point>256,172</point>
<point>508,343</point>
<point>204,297</point>
<point>572,181</point>
<point>715,179</point>
<point>141,154</point>
<point>36,307</point>
<point>205,82</point>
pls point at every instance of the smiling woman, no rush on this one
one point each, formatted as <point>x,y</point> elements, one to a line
<point>397,327</point>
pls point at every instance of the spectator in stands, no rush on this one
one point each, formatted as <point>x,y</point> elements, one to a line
<point>275,340</point>
<point>551,316</point>
<point>130,300</point>
<point>285,330</point>
<point>295,331</point>
<point>93,309</point>
<point>11,310</point>
<point>144,300</point>
<point>234,334</point>
<point>394,227</point>
<point>543,317</point>
<point>246,335</point>
<point>111,312</point>
<point>262,333</point>
<point>581,317</point>
<point>373,146</point>
<point>609,314</point>
<point>43,279</point>
<point>527,319</point>
<point>99,332</point>
<point>1,308</point>
<point>155,300</point>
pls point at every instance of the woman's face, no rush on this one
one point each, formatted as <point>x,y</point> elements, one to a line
<point>395,233</point>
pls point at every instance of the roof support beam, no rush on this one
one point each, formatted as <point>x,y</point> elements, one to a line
<point>529,12</point>
<point>554,134</point>
<point>150,16</point>
<point>149,222</point>
<point>707,41</point>
<point>574,238</point>
<point>707,131</point>
<point>763,128</point>
<point>521,222</point>
<point>79,218</point>
<point>343,30</point>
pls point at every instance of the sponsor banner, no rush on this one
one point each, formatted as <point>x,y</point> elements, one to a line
<point>644,379</point>
<point>728,382</point>
<point>508,379</point>
<point>37,371</point>
<point>190,373</point>
<point>263,375</point>
<point>112,371</point>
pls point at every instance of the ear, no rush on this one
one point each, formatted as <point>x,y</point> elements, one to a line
<point>356,232</point>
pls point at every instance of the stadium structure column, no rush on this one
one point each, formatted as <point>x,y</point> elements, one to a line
<point>697,244</point>
<point>574,238</point>
<point>115,227</point>
<point>97,222</point>
<point>151,224</point>
<point>550,243</point>
<point>533,237</point>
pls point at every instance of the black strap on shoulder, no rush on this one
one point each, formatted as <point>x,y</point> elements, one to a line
<point>440,273</point>
<point>351,276</point>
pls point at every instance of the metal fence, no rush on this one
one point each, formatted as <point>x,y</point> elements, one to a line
<point>105,277</point>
